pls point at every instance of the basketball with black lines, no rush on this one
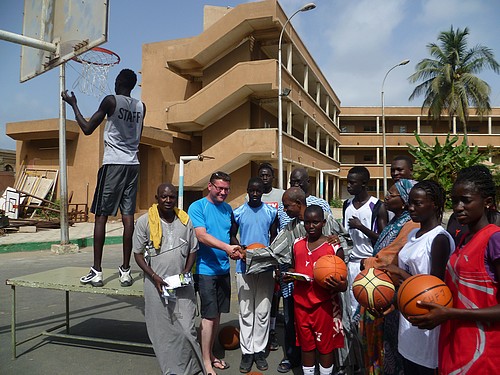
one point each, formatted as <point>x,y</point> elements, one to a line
<point>373,288</point>
<point>425,288</point>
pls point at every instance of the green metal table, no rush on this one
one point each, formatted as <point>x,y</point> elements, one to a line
<point>67,279</point>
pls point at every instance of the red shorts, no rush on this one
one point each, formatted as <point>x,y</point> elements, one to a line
<point>317,328</point>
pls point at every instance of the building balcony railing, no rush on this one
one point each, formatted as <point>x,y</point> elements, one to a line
<point>395,140</point>
<point>252,145</point>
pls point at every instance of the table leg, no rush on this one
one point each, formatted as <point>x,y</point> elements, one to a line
<point>13,322</point>
<point>67,311</point>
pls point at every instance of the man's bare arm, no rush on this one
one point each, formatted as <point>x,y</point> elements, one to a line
<point>106,108</point>
<point>209,240</point>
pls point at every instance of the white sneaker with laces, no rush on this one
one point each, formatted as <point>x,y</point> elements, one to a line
<point>93,278</point>
<point>125,277</point>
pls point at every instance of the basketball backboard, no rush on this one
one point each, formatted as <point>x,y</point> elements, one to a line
<point>75,26</point>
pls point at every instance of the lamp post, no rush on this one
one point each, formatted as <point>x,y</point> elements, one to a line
<point>305,8</point>
<point>182,161</point>
<point>384,146</point>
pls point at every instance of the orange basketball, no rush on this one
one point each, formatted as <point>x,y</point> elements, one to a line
<point>229,337</point>
<point>373,288</point>
<point>425,288</point>
<point>255,245</point>
<point>329,265</point>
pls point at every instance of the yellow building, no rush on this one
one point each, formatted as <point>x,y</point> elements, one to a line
<point>216,94</point>
<point>362,142</point>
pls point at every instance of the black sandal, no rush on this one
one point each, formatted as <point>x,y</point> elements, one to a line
<point>284,366</point>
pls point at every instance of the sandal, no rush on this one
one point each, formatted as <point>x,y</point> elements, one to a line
<point>220,364</point>
<point>284,366</point>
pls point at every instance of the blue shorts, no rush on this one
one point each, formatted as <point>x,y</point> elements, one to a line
<point>215,294</point>
<point>116,187</point>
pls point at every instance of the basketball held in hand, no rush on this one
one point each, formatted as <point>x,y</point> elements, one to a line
<point>229,337</point>
<point>255,245</point>
<point>425,288</point>
<point>373,288</point>
<point>329,265</point>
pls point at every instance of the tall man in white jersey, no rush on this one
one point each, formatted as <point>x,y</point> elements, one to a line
<point>364,217</point>
<point>118,177</point>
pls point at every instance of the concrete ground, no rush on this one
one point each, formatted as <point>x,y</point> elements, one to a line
<point>112,317</point>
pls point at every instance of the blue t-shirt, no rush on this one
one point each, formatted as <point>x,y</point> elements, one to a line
<point>216,219</point>
<point>254,224</point>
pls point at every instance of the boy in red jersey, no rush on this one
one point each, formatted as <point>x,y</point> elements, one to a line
<point>318,317</point>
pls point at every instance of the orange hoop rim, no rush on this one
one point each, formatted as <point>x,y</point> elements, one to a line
<point>81,60</point>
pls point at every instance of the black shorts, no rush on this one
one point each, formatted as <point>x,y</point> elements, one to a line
<point>116,187</point>
<point>215,294</point>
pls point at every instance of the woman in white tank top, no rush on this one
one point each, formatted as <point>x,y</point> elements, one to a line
<point>426,252</point>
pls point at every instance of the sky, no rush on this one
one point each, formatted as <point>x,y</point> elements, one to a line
<point>354,43</point>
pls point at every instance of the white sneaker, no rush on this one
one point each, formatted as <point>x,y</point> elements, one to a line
<point>93,278</point>
<point>125,278</point>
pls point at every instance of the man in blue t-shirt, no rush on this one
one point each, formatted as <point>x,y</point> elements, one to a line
<point>257,223</point>
<point>212,219</point>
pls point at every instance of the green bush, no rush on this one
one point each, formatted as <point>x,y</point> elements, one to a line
<point>442,162</point>
<point>336,202</point>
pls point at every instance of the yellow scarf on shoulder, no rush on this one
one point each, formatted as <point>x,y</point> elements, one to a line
<point>154,221</point>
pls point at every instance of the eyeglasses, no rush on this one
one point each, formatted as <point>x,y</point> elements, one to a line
<point>221,189</point>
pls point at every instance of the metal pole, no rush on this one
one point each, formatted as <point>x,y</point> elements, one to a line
<point>13,339</point>
<point>63,180</point>
<point>280,114</point>
<point>180,194</point>
<point>305,8</point>
<point>27,41</point>
<point>182,160</point>
<point>384,146</point>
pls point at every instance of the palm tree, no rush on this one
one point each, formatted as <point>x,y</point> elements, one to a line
<point>449,83</point>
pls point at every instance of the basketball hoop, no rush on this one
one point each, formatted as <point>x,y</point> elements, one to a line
<point>96,64</point>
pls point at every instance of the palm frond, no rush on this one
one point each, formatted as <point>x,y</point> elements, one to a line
<point>447,80</point>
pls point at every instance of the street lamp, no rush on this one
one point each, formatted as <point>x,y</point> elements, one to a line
<point>384,147</point>
<point>182,161</point>
<point>305,8</point>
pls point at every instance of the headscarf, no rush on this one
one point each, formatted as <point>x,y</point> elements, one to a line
<point>404,186</point>
<point>393,228</point>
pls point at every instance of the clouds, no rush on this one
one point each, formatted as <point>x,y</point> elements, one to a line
<point>362,28</point>
<point>357,42</point>
<point>363,42</point>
